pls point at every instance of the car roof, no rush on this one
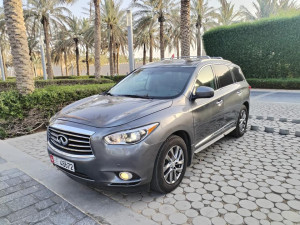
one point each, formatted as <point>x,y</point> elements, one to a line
<point>187,62</point>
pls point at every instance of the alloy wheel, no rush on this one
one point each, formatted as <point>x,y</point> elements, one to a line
<point>173,165</point>
<point>243,121</point>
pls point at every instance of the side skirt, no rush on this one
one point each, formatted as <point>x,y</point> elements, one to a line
<point>214,140</point>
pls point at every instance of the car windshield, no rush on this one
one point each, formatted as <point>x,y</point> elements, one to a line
<point>161,82</point>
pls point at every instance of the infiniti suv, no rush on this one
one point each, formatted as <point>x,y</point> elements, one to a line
<point>146,129</point>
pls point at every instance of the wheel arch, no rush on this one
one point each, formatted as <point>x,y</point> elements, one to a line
<point>186,137</point>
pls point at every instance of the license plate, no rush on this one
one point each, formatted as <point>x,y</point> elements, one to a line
<point>63,163</point>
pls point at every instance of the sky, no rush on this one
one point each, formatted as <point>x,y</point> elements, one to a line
<point>77,8</point>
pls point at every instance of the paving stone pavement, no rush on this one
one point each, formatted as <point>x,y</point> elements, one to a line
<point>251,180</point>
<point>25,201</point>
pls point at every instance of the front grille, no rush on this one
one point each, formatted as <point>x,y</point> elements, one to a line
<point>69,142</point>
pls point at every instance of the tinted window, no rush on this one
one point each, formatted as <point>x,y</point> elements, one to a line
<point>205,78</point>
<point>159,82</point>
<point>223,74</point>
<point>237,72</point>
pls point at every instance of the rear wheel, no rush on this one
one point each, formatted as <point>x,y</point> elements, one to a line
<point>170,165</point>
<point>241,125</point>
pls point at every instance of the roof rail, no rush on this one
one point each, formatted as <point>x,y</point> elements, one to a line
<point>192,57</point>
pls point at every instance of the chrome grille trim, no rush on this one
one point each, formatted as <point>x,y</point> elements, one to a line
<point>77,144</point>
<point>69,155</point>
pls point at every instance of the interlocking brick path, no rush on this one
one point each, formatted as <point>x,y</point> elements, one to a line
<point>251,180</point>
<point>25,201</point>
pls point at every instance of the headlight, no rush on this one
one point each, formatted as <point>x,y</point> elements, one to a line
<point>130,136</point>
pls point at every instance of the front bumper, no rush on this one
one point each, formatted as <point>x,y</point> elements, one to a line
<point>102,168</point>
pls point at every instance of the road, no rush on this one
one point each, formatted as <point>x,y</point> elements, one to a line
<point>275,96</point>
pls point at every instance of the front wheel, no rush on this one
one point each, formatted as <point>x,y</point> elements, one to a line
<point>170,165</point>
<point>241,125</point>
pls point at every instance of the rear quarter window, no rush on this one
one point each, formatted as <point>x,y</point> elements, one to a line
<point>224,75</point>
<point>238,74</point>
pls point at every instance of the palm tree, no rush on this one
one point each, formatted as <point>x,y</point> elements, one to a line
<point>203,17</point>
<point>160,11</point>
<point>88,38</point>
<point>61,50</point>
<point>48,13</point>
<point>148,24</point>
<point>113,17</point>
<point>97,38</point>
<point>17,36</point>
<point>142,40</point>
<point>226,14</point>
<point>76,37</point>
<point>3,43</point>
<point>185,27</point>
<point>266,8</point>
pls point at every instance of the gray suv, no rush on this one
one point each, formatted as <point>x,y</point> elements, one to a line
<point>146,129</point>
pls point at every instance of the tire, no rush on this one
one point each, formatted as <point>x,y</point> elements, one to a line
<point>243,117</point>
<point>164,185</point>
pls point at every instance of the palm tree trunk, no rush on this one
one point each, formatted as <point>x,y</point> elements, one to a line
<point>4,64</point>
<point>77,57</point>
<point>48,51</point>
<point>118,59</point>
<point>161,37</point>
<point>110,47</point>
<point>177,49</point>
<point>97,38</point>
<point>17,37</point>
<point>114,58</point>
<point>66,63</point>
<point>144,54</point>
<point>185,27</point>
<point>198,40</point>
<point>61,67</point>
<point>151,49</point>
<point>87,60</point>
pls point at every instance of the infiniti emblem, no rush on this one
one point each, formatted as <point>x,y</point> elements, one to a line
<point>63,140</point>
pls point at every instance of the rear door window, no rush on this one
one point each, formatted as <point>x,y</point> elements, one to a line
<point>237,73</point>
<point>223,75</point>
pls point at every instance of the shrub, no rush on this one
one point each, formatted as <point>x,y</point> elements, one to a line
<point>292,84</point>
<point>118,78</point>
<point>43,83</point>
<point>47,100</point>
<point>267,48</point>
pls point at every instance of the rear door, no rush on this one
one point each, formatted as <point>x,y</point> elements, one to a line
<point>207,112</point>
<point>227,90</point>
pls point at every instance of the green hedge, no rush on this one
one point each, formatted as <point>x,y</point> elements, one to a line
<point>268,48</point>
<point>4,86</point>
<point>292,84</point>
<point>48,100</point>
<point>117,78</point>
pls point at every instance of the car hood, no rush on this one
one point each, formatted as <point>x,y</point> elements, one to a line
<point>110,111</point>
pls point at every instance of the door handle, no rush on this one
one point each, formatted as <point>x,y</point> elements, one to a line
<point>219,102</point>
<point>239,92</point>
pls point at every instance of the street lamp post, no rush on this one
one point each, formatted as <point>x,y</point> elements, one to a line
<point>130,40</point>
<point>2,67</point>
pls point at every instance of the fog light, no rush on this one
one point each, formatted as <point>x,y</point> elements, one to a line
<point>125,175</point>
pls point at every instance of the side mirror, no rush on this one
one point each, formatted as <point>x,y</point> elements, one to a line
<point>203,92</point>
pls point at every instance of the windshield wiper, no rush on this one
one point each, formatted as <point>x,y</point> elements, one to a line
<point>107,93</point>
<point>137,96</point>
